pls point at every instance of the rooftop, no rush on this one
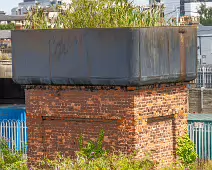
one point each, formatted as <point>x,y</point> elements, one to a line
<point>4,17</point>
<point>200,117</point>
<point>204,30</point>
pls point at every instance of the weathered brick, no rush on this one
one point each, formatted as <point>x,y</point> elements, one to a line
<point>146,119</point>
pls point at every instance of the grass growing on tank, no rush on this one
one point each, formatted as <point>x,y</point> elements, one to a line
<point>97,14</point>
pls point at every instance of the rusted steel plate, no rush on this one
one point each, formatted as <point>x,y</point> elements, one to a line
<point>123,56</point>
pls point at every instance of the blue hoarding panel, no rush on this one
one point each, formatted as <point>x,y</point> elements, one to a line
<point>13,113</point>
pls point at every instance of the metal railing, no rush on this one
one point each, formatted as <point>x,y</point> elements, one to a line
<point>15,133</point>
<point>201,134</point>
<point>204,76</point>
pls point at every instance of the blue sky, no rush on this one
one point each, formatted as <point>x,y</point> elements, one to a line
<point>7,5</point>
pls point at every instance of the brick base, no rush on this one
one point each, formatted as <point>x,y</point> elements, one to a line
<point>147,119</point>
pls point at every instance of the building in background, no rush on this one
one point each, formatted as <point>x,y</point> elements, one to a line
<point>204,71</point>
<point>26,5</point>
<point>191,6</point>
<point>183,11</point>
<point>183,7</point>
<point>204,42</point>
<point>15,19</point>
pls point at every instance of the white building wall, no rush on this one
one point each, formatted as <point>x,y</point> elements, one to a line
<point>171,6</point>
<point>206,49</point>
<point>192,8</point>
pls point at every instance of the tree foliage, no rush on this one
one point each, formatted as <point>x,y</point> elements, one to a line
<point>205,15</point>
<point>7,26</point>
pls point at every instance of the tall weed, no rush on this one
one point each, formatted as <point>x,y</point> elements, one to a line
<point>97,14</point>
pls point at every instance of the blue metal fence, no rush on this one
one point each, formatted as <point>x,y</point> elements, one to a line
<point>15,132</point>
<point>13,127</point>
<point>201,134</point>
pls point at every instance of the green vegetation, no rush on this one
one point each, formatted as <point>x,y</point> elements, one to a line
<point>94,157</point>
<point>186,151</point>
<point>205,15</point>
<point>7,26</point>
<point>97,14</point>
<point>93,150</point>
<point>10,160</point>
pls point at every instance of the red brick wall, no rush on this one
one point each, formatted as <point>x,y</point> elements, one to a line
<point>147,119</point>
<point>160,116</point>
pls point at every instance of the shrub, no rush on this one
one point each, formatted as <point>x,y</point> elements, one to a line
<point>7,26</point>
<point>10,160</point>
<point>94,149</point>
<point>186,151</point>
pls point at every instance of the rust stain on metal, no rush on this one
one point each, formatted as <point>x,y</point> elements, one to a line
<point>164,54</point>
<point>182,30</point>
<point>169,50</point>
<point>182,57</point>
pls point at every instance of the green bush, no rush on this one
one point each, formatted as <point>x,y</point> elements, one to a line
<point>94,149</point>
<point>7,26</point>
<point>10,160</point>
<point>186,151</point>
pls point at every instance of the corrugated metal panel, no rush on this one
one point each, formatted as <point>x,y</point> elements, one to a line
<point>105,56</point>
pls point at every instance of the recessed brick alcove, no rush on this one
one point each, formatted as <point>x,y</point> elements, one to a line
<point>146,119</point>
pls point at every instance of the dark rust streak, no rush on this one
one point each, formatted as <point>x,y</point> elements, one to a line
<point>182,57</point>
<point>182,30</point>
<point>168,52</point>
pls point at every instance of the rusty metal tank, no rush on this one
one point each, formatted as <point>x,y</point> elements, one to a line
<point>117,56</point>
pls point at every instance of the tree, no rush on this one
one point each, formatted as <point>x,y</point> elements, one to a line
<point>205,15</point>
